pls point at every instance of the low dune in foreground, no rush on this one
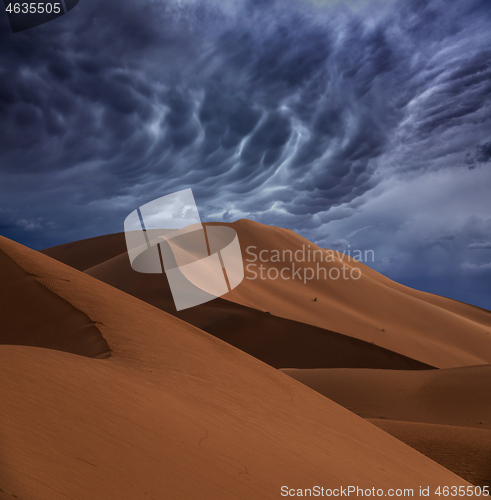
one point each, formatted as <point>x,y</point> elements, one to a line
<point>172,413</point>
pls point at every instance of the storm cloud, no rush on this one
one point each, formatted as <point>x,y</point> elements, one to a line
<point>305,115</point>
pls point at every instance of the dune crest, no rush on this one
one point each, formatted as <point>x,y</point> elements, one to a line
<point>429,329</point>
<point>434,330</point>
<point>87,253</point>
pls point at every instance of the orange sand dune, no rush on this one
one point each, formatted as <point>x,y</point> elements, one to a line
<point>458,396</point>
<point>274,340</point>
<point>463,450</point>
<point>173,413</point>
<point>437,331</point>
<point>433,330</point>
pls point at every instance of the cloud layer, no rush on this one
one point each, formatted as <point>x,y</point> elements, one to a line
<point>313,116</point>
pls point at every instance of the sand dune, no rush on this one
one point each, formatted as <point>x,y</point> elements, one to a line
<point>274,340</point>
<point>444,414</point>
<point>173,413</point>
<point>433,330</point>
<point>458,397</point>
<point>463,450</point>
<point>436,331</point>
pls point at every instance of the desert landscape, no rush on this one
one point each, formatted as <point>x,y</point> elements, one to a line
<point>109,393</point>
<point>245,249</point>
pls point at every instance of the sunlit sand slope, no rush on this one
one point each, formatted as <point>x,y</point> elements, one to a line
<point>173,413</point>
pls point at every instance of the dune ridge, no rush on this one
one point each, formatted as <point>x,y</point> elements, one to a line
<point>277,341</point>
<point>432,330</point>
<point>89,252</point>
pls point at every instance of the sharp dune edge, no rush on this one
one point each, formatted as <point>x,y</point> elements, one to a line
<point>429,329</point>
<point>277,341</point>
<point>173,413</point>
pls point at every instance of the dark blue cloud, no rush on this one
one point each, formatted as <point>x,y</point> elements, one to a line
<point>292,113</point>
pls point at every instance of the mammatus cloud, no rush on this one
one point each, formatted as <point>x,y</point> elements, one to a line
<point>294,113</point>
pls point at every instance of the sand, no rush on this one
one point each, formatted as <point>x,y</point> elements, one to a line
<point>32,314</point>
<point>458,396</point>
<point>87,253</point>
<point>465,451</point>
<point>173,412</point>
<point>367,344</point>
<point>277,341</point>
<point>434,330</point>
<point>445,414</point>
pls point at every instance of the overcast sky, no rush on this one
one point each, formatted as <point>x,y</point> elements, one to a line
<point>360,123</point>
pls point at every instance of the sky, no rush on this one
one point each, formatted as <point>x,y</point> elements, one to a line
<point>360,125</point>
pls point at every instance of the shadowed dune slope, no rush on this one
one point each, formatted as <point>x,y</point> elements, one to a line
<point>463,450</point>
<point>173,413</point>
<point>458,396</point>
<point>87,253</point>
<point>286,343</point>
<point>433,330</point>
<point>32,314</point>
<point>277,341</point>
